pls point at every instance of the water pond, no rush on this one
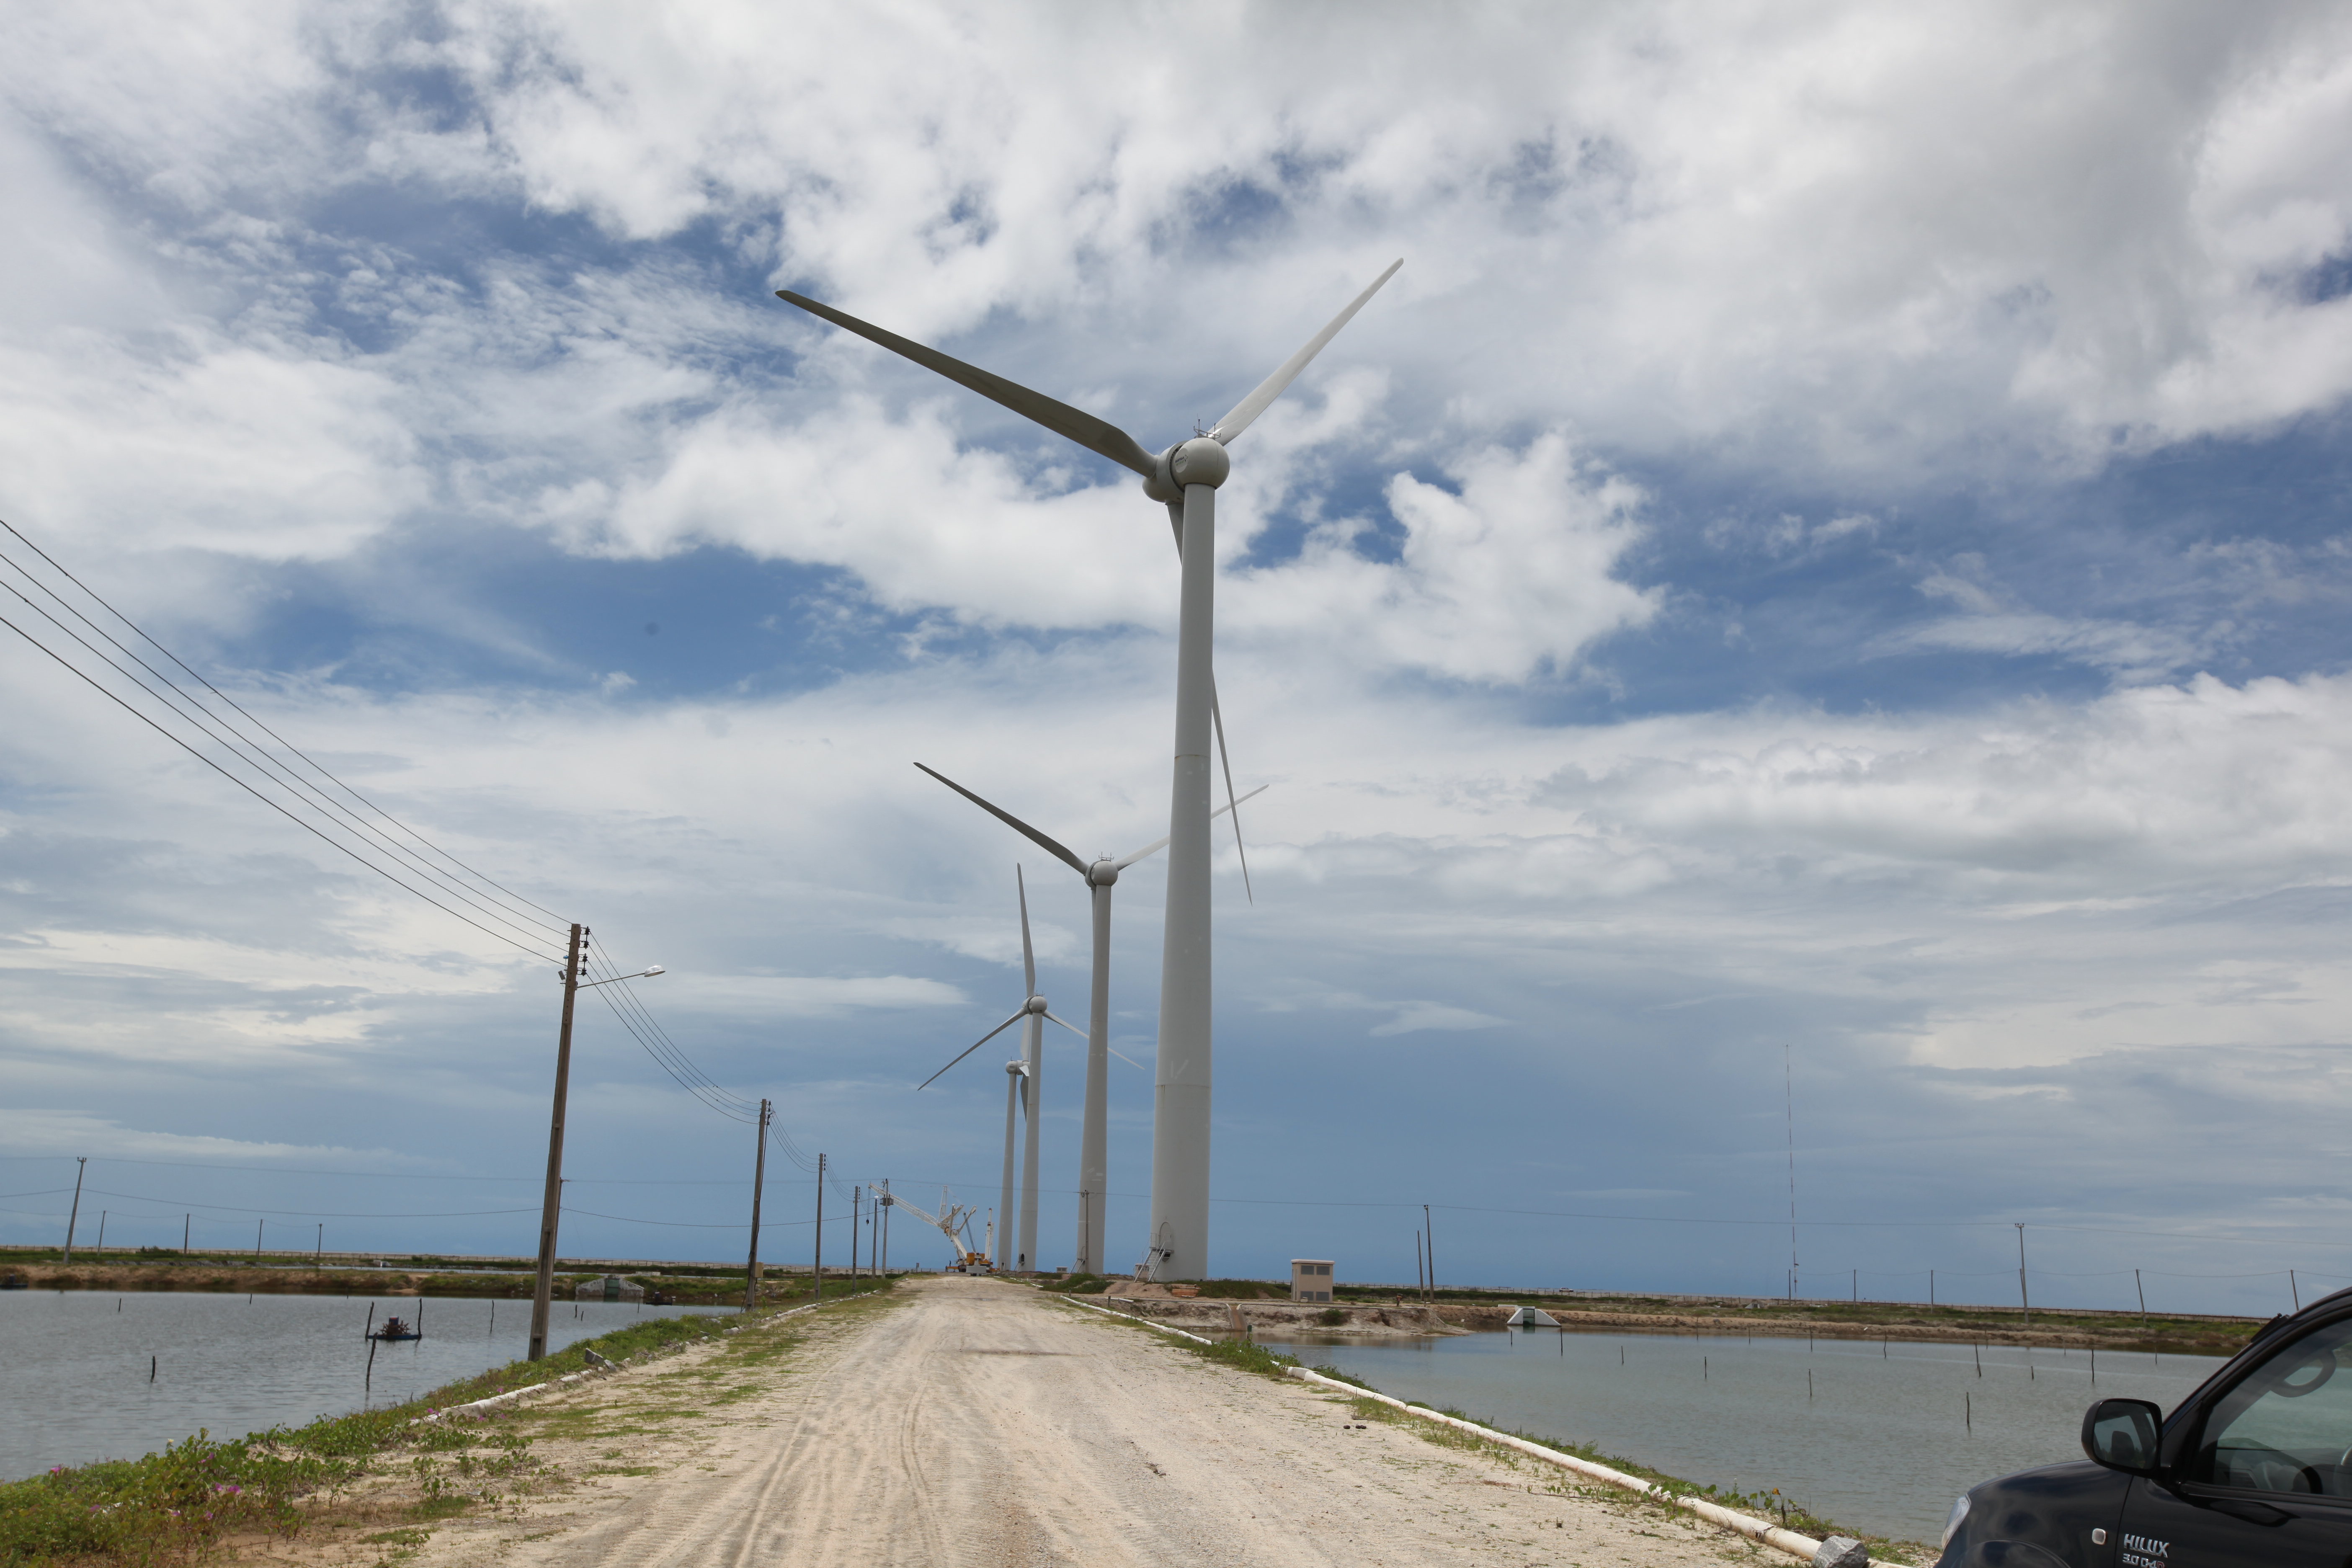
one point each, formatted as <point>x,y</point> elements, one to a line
<point>1878,1437</point>
<point>74,1365</point>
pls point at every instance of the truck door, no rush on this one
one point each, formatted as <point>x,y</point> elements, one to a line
<point>2266,1475</point>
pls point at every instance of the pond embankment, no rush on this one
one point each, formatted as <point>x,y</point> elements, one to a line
<point>710,1288</point>
<point>1232,1306</point>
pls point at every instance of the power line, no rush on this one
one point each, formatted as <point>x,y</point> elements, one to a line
<point>246,750</point>
<point>313,763</point>
<point>257,794</point>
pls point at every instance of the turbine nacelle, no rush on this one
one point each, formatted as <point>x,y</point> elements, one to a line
<point>1034,1005</point>
<point>1202,460</point>
<point>1103,873</point>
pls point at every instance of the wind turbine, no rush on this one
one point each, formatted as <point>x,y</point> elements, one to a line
<point>1024,1074</point>
<point>1094,1173</point>
<point>1184,477</point>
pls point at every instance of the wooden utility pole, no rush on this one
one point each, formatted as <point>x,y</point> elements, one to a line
<point>187,1222</point>
<point>319,1254</point>
<point>759,1181</point>
<point>81,1165</point>
<point>856,1217</point>
<point>543,1292</point>
<point>888,1205</point>
<point>816,1270</point>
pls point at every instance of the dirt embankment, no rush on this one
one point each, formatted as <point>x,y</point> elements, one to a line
<point>127,1278</point>
<point>1360,1320</point>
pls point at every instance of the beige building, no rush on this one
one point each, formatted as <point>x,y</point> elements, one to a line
<point>1310,1278</point>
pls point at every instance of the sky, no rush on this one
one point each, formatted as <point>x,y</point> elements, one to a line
<point>1801,636</point>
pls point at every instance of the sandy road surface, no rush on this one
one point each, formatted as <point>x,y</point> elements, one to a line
<point>976,1421</point>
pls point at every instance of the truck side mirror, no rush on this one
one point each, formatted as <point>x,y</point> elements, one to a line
<point>2121,1434</point>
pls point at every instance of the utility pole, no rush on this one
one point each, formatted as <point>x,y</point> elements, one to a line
<point>320,1253</point>
<point>816,1269</point>
<point>2143,1300</point>
<point>543,1292</point>
<point>257,1238</point>
<point>100,1248</point>
<point>759,1181</point>
<point>2023,1300</point>
<point>857,1218</point>
<point>81,1163</point>
<point>888,1205</point>
<point>1429,1225</point>
<point>187,1223</point>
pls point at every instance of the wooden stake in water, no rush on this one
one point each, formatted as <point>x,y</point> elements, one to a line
<point>1969,1410</point>
<point>151,1369</point>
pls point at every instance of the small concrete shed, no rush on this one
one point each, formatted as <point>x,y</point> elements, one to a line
<point>1310,1278</point>
<point>611,1287</point>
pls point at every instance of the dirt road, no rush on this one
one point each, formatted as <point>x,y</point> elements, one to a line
<point>976,1421</point>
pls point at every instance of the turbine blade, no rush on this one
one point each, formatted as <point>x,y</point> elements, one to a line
<point>1231,804</point>
<point>971,1048</point>
<point>1157,844</point>
<point>1128,1059</point>
<point>1250,407</point>
<point>1154,847</point>
<point>1028,957</point>
<point>1095,435</point>
<point>1039,840</point>
<point>1072,1027</point>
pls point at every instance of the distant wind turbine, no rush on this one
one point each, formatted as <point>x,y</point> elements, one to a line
<point>1184,477</point>
<point>1034,1011</point>
<point>1094,1161</point>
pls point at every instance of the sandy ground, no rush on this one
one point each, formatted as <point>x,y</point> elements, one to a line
<point>976,1421</point>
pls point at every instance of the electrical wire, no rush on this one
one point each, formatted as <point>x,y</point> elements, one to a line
<point>257,794</point>
<point>246,750</point>
<point>315,766</point>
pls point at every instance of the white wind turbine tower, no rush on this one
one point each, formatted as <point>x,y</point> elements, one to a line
<point>1184,477</point>
<point>1024,1076</point>
<point>1093,1173</point>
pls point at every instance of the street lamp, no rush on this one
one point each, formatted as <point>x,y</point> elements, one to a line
<point>543,1294</point>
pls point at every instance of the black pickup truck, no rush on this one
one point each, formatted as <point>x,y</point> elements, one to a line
<point>2256,1468</point>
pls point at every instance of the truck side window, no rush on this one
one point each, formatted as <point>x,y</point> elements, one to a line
<point>2286,1427</point>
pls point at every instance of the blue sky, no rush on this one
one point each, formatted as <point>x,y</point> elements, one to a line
<point>1835,540</point>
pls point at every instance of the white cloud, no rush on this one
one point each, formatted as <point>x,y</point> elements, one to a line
<point>808,995</point>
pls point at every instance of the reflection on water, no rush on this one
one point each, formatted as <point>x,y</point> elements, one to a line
<point>1876,1436</point>
<point>74,1365</point>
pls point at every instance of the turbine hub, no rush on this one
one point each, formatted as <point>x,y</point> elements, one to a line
<point>1015,1068</point>
<point>1034,1005</point>
<point>1201,461</point>
<point>1102,873</point>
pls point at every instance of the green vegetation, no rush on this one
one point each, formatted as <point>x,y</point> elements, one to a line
<point>1076,1284</point>
<point>172,1507</point>
<point>1244,1289</point>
